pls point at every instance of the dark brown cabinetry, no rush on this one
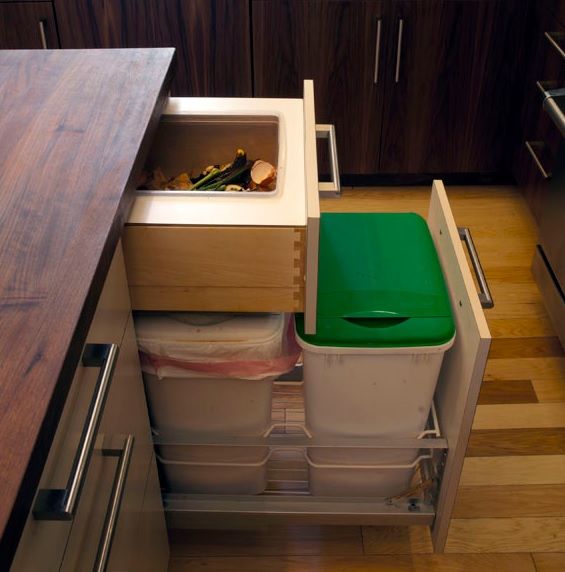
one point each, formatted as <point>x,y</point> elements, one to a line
<point>449,99</point>
<point>212,37</point>
<point>412,86</point>
<point>335,44</point>
<point>27,25</point>
<point>537,150</point>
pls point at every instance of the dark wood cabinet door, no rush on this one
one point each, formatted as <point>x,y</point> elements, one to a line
<point>335,44</point>
<point>27,25</point>
<point>450,102</point>
<point>212,37</point>
<point>546,69</point>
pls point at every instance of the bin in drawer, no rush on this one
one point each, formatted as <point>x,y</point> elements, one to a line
<point>213,250</point>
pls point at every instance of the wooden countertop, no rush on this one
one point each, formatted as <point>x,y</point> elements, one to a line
<point>72,130</point>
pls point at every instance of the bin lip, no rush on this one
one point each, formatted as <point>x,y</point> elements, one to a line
<point>404,350</point>
<point>201,463</point>
<point>369,466</point>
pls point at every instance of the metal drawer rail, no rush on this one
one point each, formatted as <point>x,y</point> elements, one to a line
<point>226,511</point>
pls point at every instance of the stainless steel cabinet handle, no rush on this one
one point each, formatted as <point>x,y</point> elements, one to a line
<point>546,85</point>
<point>552,38</point>
<point>377,52</point>
<point>530,146</point>
<point>113,512</point>
<point>328,132</point>
<point>61,504</point>
<point>42,34</point>
<point>484,294</point>
<point>399,49</point>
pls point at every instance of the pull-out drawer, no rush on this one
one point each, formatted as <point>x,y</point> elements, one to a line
<point>218,251</point>
<point>455,401</point>
<point>45,537</point>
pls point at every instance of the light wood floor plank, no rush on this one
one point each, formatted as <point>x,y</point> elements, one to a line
<point>516,293</point>
<point>519,415</point>
<point>419,563</point>
<point>533,534</point>
<point>510,501</point>
<point>534,470</point>
<point>517,274</point>
<point>520,327</point>
<point>549,390</point>
<point>521,310</point>
<point>550,562</point>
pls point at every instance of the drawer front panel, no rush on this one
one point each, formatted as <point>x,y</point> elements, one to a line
<point>43,542</point>
<point>215,268</point>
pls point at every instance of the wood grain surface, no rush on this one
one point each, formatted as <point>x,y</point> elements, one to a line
<point>20,25</point>
<point>212,39</point>
<point>333,43</point>
<point>450,62</point>
<point>550,562</point>
<point>73,129</point>
<point>241,269</point>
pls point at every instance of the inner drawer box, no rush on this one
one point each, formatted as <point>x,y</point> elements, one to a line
<point>237,251</point>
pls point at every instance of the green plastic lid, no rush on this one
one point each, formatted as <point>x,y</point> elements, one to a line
<point>380,284</point>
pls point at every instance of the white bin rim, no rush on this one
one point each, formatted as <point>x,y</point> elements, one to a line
<point>371,466</point>
<point>404,350</point>
<point>260,463</point>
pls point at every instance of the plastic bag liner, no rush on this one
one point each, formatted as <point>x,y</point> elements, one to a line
<point>230,362</point>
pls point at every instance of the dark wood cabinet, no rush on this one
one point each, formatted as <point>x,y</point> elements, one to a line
<point>413,87</point>
<point>449,102</point>
<point>540,138</point>
<point>335,44</point>
<point>27,25</point>
<point>212,37</point>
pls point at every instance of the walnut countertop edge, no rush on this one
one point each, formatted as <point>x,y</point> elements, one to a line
<point>74,128</point>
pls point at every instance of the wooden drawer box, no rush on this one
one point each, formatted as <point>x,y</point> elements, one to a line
<point>225,268</point>
<point>247,252</point>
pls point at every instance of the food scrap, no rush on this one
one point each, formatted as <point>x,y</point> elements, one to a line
<point>241,175</point>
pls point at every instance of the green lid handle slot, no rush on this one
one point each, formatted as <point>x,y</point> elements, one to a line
<point>375,321</point>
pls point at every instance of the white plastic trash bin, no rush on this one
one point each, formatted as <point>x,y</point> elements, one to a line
<point>214,470</point>
<point>361,479</point>
<point>213,373</point>
<point>384,323</point>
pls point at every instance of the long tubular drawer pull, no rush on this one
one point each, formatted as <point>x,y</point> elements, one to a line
<point>42,34</point>
<point>61,504</point>
<point>530,147</point>
<point>399,49</point>
<point>552,39</point>
<point>113,512</point>
<point>324,131</point>
<point>485,296</point>
<point>377,52</point>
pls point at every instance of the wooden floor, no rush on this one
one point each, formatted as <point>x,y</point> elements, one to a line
<point>510,511</point>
